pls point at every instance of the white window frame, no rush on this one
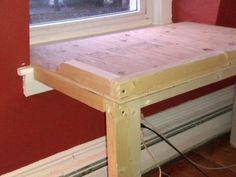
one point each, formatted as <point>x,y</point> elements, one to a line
<point>150,12</point>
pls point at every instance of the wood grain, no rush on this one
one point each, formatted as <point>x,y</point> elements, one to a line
<point>122,72</point>
<point>130,64</point>
<point>123,140</point>
<point>140,50</point>
<point>69,88</point>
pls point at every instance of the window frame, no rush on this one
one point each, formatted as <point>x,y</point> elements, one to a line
<point>54,32</point>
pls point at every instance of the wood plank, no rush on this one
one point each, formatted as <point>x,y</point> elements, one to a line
<point>220,151</point>
<point>120,73</point>
<point>156,81</point>
<point>69,87</point>
<point>95,79</point>
<point>134,63</point>
<point>151,98</point>
<point>123,53</point>
<point>181,168</point>
<point>214,154</point>
<point>231,55</point>
<point>123,140</point>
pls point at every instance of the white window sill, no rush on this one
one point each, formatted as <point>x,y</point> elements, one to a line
<point>157,12</point>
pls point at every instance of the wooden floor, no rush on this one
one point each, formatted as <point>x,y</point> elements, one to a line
<point>214,154</point>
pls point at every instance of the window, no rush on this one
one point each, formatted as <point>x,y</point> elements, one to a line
<point>52,11</point>
<point>53,20</point>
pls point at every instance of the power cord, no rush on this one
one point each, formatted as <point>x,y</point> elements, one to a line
<point>177,150</point>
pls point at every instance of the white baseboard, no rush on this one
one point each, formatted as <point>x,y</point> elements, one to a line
<point>85,155</point>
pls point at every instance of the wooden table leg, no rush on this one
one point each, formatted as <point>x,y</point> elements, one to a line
<point>233,129</point>
<point>123,140</point>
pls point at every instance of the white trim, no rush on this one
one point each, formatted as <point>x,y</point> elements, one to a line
<point>88,153</point>
<point>66,162</point>
<point>30,85</point>
<point>157,12</point>
<point>162,12</point>
<point>91,26</point>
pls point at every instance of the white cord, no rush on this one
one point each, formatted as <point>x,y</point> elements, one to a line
<point>150,154</point>
<point>153,157</point>
<point>199,165</point>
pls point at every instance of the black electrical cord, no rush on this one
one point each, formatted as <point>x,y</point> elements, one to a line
<point>176,149</point>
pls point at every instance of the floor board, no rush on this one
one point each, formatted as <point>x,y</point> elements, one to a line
<point>214,154</point>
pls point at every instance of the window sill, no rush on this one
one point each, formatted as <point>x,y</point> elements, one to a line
<point>87,28</point>
<point>154,12</point>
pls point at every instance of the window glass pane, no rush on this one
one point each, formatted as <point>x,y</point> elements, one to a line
<point>48,11</point>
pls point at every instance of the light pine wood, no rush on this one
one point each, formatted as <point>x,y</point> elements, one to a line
<point>93,78</point>
<point>69,88</point>
<point>134,69</point>
<point>130,64</point>
<point>123,140</point>
<point>151,98</point>
<point>233,129</point>
<point>157,81</point>
<point>163,47</point>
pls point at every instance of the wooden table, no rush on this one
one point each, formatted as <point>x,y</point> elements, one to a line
<point>123,72</point>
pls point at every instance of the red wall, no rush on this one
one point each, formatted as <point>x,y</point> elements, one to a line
<point>36,127</point>
<point>227,13</point>
<point>218,12</point>
<point>204,11</point>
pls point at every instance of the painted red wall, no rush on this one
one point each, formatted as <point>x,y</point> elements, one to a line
<point>35,127</point>
<point>39,126</point>
<point>203,11</point>
<point>227,13</point>
<point>218,12</point>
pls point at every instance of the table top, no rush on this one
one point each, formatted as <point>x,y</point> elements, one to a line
<point>134,63</point>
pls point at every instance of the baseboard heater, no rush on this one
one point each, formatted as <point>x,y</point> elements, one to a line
<point>197,122</point>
